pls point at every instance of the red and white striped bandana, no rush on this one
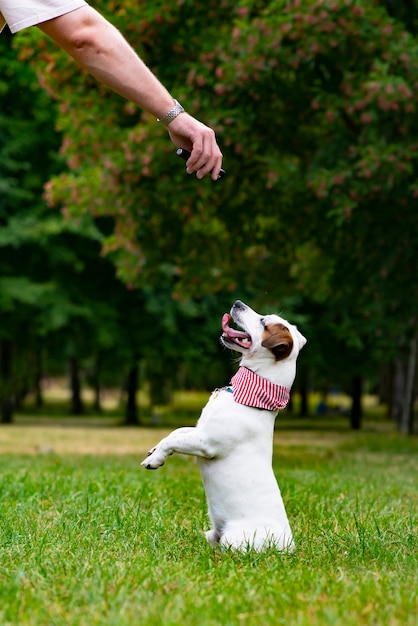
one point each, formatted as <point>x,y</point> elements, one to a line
<point>252,390</point>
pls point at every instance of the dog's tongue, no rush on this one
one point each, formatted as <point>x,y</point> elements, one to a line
<point>231,332</point>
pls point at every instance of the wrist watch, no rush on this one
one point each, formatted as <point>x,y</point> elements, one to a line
<point>172,114</point>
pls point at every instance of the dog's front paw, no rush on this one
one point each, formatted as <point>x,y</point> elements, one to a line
<point>154,459</point>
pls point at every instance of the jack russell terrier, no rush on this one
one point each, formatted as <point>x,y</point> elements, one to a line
<point>233,439</point>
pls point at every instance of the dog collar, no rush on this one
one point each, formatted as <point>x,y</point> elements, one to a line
<point>252,390</point>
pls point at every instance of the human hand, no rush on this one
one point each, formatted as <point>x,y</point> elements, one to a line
<point>185,155</point>
<point>187,132</point>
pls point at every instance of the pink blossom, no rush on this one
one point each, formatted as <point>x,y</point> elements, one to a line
<point>360,105</point>
<point>404,90</point>
<point>366,118</point>
<point>339,179</point>
<point>358,11</point>
<point>236,33</point>
<point>383,103</point>
<point>190,77</point>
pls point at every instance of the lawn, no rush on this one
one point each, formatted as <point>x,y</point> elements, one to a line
<point>88,537</point>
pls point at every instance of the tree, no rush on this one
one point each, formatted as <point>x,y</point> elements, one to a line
<point>314,104</point>
<point>346,152</point>
<point>24,134</point>
<point>54,286</point>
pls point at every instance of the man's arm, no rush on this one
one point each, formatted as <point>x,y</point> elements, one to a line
<point>101,49</point>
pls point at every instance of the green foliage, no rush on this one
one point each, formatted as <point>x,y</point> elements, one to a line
<point>88,539</point>
<point>53,285</point>
<point>313,103</point>
<point>341,79</point>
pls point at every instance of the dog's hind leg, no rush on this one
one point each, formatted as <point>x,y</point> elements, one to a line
<point>258,539</point>
<point>212,536</point>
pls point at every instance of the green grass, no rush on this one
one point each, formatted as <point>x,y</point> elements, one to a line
<point>94,539</point>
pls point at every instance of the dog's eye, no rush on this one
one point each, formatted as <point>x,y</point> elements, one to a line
<point>264,323</point>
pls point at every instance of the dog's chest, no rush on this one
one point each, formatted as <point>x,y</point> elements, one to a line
<point>222,417</point>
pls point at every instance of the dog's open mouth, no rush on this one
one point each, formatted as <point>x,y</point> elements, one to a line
<point>239,337</point>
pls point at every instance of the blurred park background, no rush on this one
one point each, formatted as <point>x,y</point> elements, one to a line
<point>116,267</point>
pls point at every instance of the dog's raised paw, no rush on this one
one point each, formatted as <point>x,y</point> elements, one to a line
<point>150,467</point>
<point>152,463</point>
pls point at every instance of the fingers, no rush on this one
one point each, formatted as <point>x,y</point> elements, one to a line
<point>206,156</point>
<point>185,155</point>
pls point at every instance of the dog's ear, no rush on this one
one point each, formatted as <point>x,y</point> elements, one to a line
<point>277,338</point>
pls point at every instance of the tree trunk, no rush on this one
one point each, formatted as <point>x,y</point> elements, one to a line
<point>385,386</point>
<point>38,380</point>
<point>407,414</point>
<point>77,407</point>
<point>6,373</point>
<point>303,388</point>
<point>131,415</point>
<point>96,384</point>
<point>402,407</point>
<point>398,390</point>
<point>356,412</point>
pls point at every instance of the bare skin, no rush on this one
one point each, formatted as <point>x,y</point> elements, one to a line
<point>102,50</point>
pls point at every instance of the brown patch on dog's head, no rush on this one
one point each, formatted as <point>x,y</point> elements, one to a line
<point>277,338</point>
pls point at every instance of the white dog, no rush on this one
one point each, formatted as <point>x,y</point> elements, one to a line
<point>233,439</point>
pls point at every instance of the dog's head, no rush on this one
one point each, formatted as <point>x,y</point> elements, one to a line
<point>264,341</point>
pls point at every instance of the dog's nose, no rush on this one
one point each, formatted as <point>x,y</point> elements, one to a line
<point>239,304</point>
